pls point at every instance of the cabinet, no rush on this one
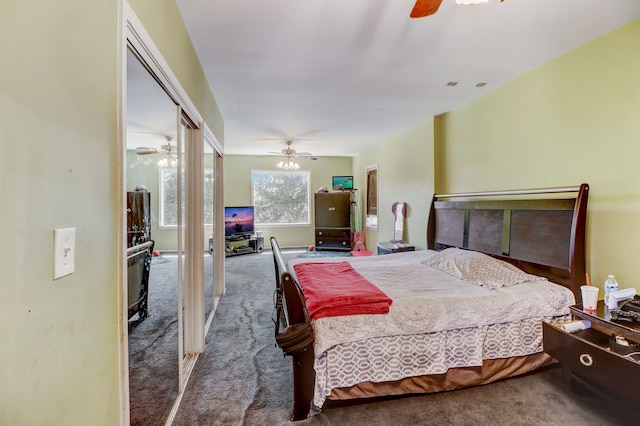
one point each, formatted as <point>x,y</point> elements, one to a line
<point>589,363</point>
<point>333,221</point>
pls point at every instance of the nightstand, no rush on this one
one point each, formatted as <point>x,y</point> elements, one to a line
<point>587,361</point>
<point>388,248</point>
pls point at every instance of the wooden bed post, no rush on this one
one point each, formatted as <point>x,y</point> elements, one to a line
<point>578,244</point>
<point>304,378</point>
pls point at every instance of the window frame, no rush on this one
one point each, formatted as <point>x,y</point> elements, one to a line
<point>307,173</point>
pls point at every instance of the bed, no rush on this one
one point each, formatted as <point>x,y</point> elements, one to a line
<point>467,311</point>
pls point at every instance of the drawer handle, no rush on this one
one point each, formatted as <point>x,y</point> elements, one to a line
<point>586,360</point>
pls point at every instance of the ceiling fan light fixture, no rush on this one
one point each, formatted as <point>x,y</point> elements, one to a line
<point>288,164</point>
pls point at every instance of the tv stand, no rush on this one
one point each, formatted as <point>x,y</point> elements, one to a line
<point>243,244</point>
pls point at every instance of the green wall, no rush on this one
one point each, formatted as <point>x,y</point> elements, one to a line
<point>573,120</point>
<point>405,173</point>
<point>237,190</point>
<point>59,99</point>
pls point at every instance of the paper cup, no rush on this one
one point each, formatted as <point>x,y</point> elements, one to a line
<point>589,297</point>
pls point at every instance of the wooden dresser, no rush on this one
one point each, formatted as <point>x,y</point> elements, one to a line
<point>333,221</point>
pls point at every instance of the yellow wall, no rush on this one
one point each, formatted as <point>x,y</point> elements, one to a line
<point>405,173</point>
<point>573,120</point>
<point>237,190</point>
<point>59,356</point>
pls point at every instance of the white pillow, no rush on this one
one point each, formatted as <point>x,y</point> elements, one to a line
<point>478,268</point>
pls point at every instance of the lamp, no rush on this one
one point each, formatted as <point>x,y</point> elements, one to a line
<point>471,1</point>
<point>287,164</point>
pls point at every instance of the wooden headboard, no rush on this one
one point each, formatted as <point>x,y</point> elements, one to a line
<point>543,235</point>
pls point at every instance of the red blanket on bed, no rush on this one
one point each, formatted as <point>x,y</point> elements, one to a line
<point>335,288</point>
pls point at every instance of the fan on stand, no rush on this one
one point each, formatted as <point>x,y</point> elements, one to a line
<point>288,154</point>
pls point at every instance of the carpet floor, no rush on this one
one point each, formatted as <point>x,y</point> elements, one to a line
<point>153,349</point>
<point>243,379</point>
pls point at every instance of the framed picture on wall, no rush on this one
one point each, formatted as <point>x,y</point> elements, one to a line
<point>371,212</point>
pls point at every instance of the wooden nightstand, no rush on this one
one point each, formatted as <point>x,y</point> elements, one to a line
<point>388,248</point>
<point>587,361</point>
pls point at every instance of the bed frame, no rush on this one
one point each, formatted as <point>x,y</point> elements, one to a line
<point>540,231</point>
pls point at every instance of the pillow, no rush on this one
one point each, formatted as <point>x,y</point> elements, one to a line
<point>478,268</point>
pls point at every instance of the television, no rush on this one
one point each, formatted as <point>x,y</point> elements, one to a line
<point>238,220</point>
<point>342,182</point>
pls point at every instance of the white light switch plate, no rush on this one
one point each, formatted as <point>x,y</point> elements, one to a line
<point>64,252</point>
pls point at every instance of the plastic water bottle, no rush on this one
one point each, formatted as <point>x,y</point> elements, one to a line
<point>610,285</point>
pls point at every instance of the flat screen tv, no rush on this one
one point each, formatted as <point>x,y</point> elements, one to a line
<point>238,220</point>
<point>342,182</point>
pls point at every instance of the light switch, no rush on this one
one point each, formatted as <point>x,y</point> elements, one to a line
<point>64,252</point>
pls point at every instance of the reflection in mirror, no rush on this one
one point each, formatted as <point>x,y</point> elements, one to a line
<point>209,229</point>
<point>153,341</point>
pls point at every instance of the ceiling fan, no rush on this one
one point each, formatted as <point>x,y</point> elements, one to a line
<point>166,149</point>
<point>424,8</point>
<point>289,153</point>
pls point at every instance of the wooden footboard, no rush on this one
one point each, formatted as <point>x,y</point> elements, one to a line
<point>291,311</point>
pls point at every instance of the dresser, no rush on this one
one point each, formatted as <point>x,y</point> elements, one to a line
<point>589,362</point>
<point>332,215</point>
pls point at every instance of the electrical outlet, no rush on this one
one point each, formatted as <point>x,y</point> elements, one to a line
<point>64,252</point>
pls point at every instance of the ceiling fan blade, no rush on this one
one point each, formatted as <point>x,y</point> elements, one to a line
<point>145,150</point>
<point>424,8</point>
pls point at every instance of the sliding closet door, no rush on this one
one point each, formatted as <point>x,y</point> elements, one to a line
<point>192,243</point>
<point>151,167</point>
<point>170,164</point>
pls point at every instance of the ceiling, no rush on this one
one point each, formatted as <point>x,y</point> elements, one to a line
<point>337,77</point>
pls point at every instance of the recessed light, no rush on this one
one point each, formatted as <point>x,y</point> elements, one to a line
<point>452,83</point>
<point>481,84</point>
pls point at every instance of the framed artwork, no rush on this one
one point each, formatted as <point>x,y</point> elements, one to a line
<point>371,212</point>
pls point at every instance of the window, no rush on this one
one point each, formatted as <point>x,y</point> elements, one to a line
<point>281,198</point>
<point>209,197</point>
<point>371,218</point>
<point>169,197</point>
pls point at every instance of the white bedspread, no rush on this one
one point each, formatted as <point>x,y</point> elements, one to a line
<point>426,300</point>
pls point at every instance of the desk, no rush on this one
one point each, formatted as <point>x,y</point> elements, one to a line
<point>388,247</point>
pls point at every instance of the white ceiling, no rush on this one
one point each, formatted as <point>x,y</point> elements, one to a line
<point>337,77</point>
